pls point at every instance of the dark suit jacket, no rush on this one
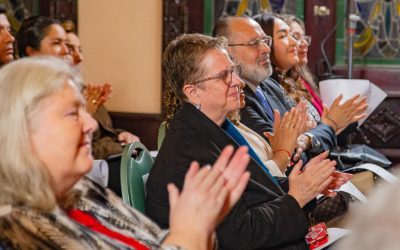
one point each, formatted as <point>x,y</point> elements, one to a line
<point>254,116</point>
<point>264,218</point>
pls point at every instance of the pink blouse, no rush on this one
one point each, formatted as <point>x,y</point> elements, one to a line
<point>316,100</point>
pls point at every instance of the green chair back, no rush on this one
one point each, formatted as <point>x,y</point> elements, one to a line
<point>136,163</point>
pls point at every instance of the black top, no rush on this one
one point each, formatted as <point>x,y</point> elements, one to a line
<point>264,218</point>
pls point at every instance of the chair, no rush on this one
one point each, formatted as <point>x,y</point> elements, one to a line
<point>136,163</point>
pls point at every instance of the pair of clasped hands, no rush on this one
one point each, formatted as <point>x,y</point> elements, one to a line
<point>95,96</point>
<point>318,175</point>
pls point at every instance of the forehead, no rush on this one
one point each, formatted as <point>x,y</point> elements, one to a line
<point>73,39</point>
<point>279,24</point>
<point>295,27</point>
<point>246,29</point>
<point>4,20</point>
<point>55,30</point>
<point>216,59</point>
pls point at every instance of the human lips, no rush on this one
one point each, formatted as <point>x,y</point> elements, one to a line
<point>9,51</point>
<point>86,143</point>
<point>293,51</point>
<point>264,60</point>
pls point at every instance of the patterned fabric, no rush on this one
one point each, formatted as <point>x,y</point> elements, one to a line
<point>311,110</point>
<point>27,228</point>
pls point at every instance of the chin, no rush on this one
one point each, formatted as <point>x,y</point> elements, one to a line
<point>85,165</point>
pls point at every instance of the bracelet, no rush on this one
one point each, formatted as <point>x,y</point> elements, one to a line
<point>287,152</point>
<point>334,123</point>
<point>283,150</point>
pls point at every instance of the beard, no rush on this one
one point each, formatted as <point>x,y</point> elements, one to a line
<point>256,74</point>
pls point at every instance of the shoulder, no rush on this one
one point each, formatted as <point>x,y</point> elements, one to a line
<point>23,227</point>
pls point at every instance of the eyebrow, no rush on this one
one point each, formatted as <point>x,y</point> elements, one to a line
<point>282,30</point>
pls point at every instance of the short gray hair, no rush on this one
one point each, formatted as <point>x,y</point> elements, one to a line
<point>23,85</point>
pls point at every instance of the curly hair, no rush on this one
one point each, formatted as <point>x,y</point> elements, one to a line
<point>182,65</point>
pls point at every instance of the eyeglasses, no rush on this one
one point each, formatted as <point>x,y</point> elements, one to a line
<point>299,37</point>
<point>225,75</point>
<point>256,43</point>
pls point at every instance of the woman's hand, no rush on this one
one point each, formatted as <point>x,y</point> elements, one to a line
<point>207,197</point>
<point>286,132</point>
<point>96,95</point>
<point>126,137</point>
<point>339,179</point>
<point>315,179</point>
<point>287,129</point>
<point>339,116</point>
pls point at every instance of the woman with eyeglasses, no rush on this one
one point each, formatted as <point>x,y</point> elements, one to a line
<point>287,47</point>
<point>47,203</point>
<point>203,88</point>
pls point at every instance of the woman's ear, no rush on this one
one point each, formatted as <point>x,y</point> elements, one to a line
<point>190,92</point>
<point>30,51</point>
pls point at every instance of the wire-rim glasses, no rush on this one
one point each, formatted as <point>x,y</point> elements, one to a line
<point>225,75</point>
<point>299,37</point>
<point>267,40</point>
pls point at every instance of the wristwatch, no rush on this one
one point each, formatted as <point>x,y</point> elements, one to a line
<point>313,141</point>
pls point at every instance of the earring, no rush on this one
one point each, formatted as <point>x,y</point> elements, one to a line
<point>198,106</point>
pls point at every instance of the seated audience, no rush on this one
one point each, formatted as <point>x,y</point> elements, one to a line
<point>285,63</point>
<point>276,152</point>
<point>248,45</point>
<point>45,203</point>
<point>203,88</point>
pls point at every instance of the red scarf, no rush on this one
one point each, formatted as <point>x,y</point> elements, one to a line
<point>89,221</point>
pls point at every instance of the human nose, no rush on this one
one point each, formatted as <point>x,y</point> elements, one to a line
<point>265,48</point>
<point>64,49</point>
<point>9,38</point>
<point>294,41</point>
<point>89,123</point>
<point>236,80</point>
<point>78,57</point>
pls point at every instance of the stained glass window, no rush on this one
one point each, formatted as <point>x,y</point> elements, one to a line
<point>377,36</point>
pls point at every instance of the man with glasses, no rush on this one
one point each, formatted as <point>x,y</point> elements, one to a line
<point>249,47</point>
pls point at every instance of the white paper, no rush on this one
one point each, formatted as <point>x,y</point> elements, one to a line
<point>331,89</point>
<point>349,188</point>
<point>333,235</point>
<point>381,172</point>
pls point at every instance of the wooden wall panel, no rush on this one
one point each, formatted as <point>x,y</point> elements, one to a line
<point>143,125</point>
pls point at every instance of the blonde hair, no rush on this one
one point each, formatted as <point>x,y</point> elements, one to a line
<point>23,85</point>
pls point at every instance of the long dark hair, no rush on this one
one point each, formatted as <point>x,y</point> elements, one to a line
<point>290,80</point>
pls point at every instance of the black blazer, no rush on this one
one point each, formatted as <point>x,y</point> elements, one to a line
<point>254,116</point>
<point>264,218</point>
